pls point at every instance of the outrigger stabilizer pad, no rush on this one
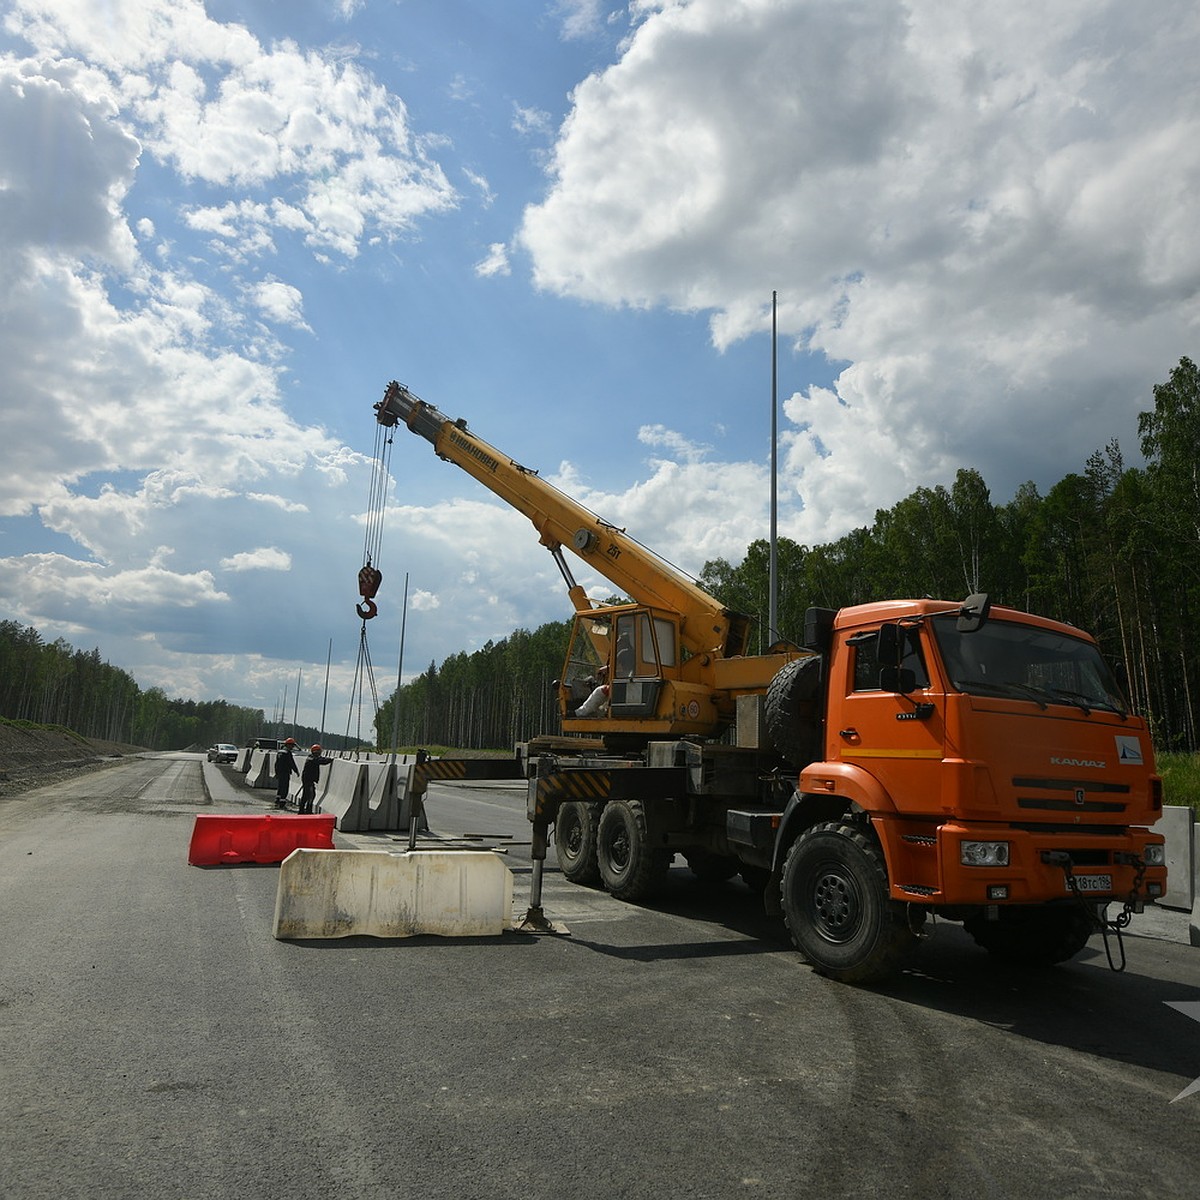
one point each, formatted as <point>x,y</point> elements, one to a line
<point>536,921</point>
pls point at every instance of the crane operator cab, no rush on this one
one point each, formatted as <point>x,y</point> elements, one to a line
<point>639,649</point>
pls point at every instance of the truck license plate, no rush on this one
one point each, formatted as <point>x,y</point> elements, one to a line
<point>1093,883</point>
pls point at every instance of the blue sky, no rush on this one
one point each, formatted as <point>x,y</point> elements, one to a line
<point>224,228</point>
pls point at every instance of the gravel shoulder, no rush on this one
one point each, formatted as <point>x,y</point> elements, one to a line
<point>33,757</point>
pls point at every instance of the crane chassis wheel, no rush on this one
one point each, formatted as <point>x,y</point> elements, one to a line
<point>630,868</point>
<point>837,907</point>
<point>575,836</point>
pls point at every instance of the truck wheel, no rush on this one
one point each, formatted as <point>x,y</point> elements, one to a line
<point>836,906</point>
<point>789,711</point>
<point>710,868</point>
<point>629,867</point>
<point>1036,937</point>
<point>575,829</point>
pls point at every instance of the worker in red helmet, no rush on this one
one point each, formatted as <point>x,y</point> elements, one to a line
<point>309,776</point>
<point>285,768</point>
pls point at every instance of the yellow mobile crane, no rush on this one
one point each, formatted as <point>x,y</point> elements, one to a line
<point>674,661</point>
<point>918,757</point>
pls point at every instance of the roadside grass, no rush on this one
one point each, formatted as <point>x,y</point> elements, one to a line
<point>37,727</point>
<point>450,752</point>
<point>1181,779</point>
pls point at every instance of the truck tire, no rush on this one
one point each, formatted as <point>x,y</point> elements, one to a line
<point>1035,937</point>
<point>710,868</point>
<point>630,868</point>
<point>836,906</point>
<point>575,830</point>
<point>790,711</point>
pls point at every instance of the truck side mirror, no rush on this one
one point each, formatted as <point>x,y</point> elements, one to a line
<point>887,646</point>
<point>974,612</point>
<point>897,679</point>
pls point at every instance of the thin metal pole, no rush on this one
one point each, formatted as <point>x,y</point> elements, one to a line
<point>773,580</point>
<point>296,705</point>
<point>399,671</point>
<point>325,698</point>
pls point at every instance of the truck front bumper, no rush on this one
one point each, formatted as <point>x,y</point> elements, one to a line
<point>979,863</point>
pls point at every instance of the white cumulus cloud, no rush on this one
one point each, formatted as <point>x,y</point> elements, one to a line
<point>984,215</point>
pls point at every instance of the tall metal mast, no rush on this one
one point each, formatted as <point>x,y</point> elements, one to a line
<point>773,581</point>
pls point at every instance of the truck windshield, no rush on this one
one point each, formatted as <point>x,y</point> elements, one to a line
<point>1005,658</point>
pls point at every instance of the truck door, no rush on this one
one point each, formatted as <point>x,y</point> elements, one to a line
<point>895,737</point>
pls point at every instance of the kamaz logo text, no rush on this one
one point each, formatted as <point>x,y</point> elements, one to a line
<point>1077,762</point>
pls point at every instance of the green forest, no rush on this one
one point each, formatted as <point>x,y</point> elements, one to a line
<point>51,683</point>
<point>1111,549</point>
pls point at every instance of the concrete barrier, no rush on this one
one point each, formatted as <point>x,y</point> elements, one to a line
<point>261,772</point>
<point>344,794</point>
<point>379,782</point>
<point>1194,918</point>
<point>344,893</point>
<point>1177,827</point>
<point>242,763</point>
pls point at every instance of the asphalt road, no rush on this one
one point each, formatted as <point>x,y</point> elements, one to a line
<point>157,1041</point>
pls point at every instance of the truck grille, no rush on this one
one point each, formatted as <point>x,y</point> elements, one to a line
<point>1079,798</point>
<point>1048,805</point>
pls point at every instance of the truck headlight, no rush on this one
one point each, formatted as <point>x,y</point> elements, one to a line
<point>1154,856</point>
<point>983,854</point>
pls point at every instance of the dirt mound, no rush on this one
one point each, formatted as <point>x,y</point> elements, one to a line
<point>31,756</point>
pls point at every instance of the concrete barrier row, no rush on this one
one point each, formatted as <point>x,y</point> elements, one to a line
<point>367,794</point>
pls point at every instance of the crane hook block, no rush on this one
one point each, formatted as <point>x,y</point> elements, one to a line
<point>369,579</point>
<point>367,610</point>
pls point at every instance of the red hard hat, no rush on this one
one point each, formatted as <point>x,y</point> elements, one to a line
<point>316,749</point>
<point>289,741</point>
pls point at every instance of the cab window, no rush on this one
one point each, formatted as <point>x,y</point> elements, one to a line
<point>867,664</point>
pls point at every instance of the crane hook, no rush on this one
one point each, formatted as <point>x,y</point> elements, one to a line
<point>369,579</point>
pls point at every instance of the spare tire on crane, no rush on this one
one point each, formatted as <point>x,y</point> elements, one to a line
<point>792,710</point>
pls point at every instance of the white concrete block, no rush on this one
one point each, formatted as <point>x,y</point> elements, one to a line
<point>1176,826</point>
<point>344,893</point>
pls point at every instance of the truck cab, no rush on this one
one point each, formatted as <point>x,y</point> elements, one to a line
<point>988,761</point>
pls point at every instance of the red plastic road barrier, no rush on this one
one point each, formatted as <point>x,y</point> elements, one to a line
<point>266,838</point>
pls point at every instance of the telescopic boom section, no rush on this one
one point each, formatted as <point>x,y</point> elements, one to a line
<point>706,628</point>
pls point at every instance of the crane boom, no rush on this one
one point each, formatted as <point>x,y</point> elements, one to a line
<point>706,627</point>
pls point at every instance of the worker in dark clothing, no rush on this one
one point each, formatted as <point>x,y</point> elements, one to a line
<point>285,768</point>
<point>309,776</point>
